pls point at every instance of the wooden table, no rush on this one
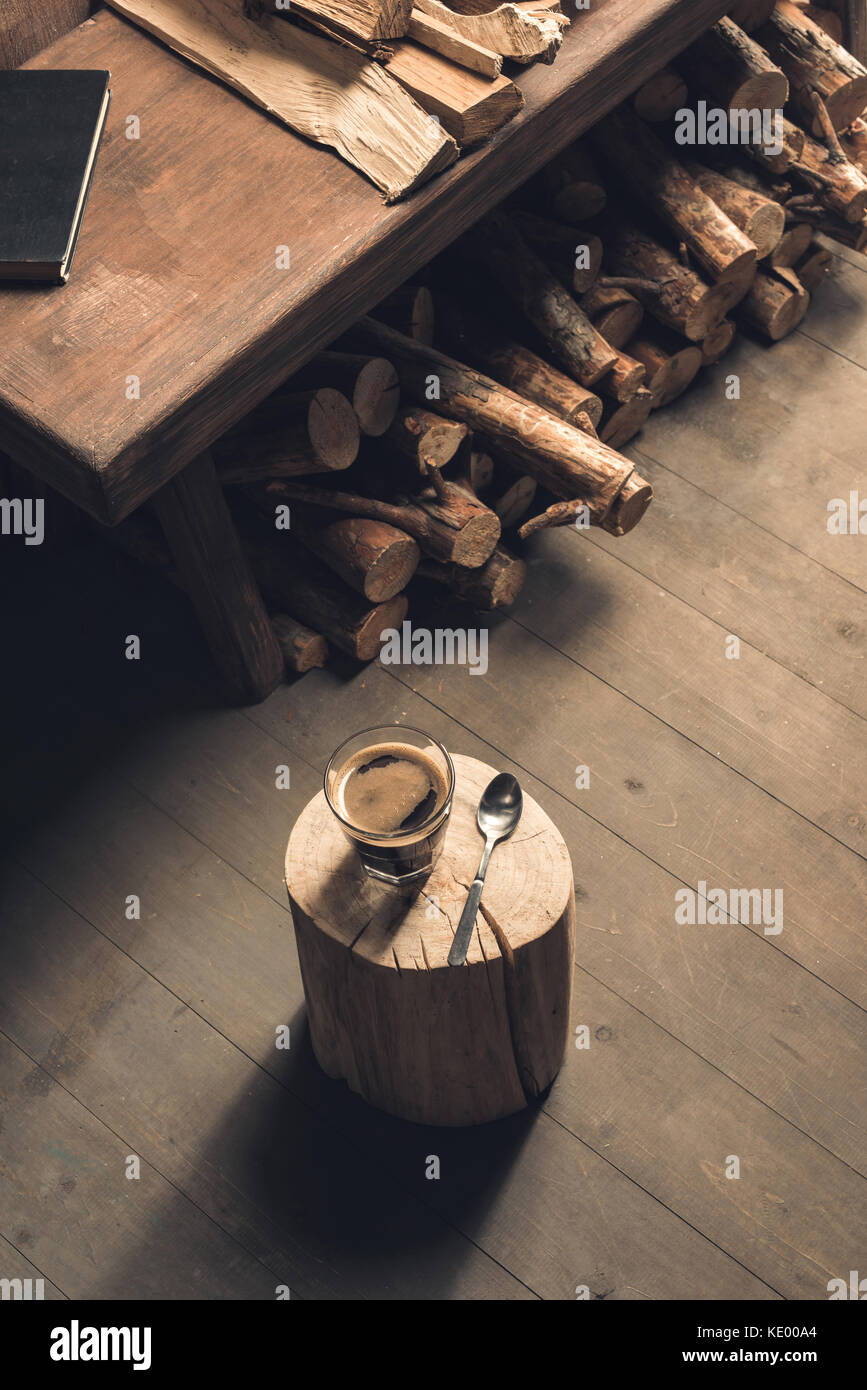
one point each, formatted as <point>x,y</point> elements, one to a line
<point>177,321</point>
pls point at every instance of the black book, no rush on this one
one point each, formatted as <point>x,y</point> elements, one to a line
<point>50,127</point>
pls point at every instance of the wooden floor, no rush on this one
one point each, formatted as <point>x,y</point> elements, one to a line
<point>156,1037</point>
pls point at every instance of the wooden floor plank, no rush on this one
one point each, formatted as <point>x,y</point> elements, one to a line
<point>227,1136</point>
<point>219,1153</point>
<point>680,806</point>
<point>14,1265</point>
<point>753,714</point>
<point>836,318</point>
<point>91,1229</point>
<point>757,587</point>
<point>791,443</point>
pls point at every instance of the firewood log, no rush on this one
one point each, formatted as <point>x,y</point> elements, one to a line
<point>624,379</point>
<point>814,265</point>
<point>758,216</point>
<point>362,20</point>
<point>567,462</point>
<point>300,585</point>
<point>791,246</point>
<point>290,433</point>
<point>560,514</point>
<point>431,33</point>
<point>511,30</point>
<point>410,310</point>
<point>302,648</point>
<point>534,289</point>
<point>421,436</point>
<point>615,313</point>
<point>813,62</point>
<point>776,304</point>
<point>655,176</point>
<point>854,142</point>
<point>660,96</point>
<point>751,14</point>
<point>573,254</point>
<point>495,584</point>
<point>370,383</point>
<point>844,186</point>
<point>728,66</point>
<point>572,185</point>
<point>826,19</point>
<point>671,365</point>
<point>372,557</point>
<point>515,500</point>
<point>468,106</point>
<point>717,342</point>
<point>468,337</point>
<point>851,234</point>
<point>792,148</point>
<point>620,423</point>
<point>454,526</point>
<point>635,496</point>
<point>682,300</point>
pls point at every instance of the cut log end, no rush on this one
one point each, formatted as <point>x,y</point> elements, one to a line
<point>303,650</point>
<point>333,428</point>
<point>629,506</point>
<point>376,396</point>
<point>717,342</point>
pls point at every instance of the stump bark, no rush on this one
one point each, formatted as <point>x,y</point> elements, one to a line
<point>415,1037</point>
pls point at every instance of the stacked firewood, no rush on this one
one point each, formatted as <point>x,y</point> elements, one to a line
<point>489,400</point>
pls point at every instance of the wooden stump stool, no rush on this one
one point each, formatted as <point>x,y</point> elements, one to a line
<point>430,1042</point>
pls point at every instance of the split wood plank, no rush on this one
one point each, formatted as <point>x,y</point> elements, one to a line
<point>513,32</point>
<point>328,92</point>
<point>467,105</point>
<point>367,20</point>
<point>440,38</point>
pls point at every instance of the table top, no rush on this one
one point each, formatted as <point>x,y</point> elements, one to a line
<point>177,318</point>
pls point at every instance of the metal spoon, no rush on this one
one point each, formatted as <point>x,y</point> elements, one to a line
<point>499,812</point>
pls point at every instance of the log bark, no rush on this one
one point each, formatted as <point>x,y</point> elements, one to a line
<point>468,106</point>
<point>573,254</point>
<point>372,557</point>
<point>630,504</point>
<point>759,217</point>
<point>410,310</point>
<point>301,586</point>
<point>620,423</point>
<point>534,289</point>
<point>290,434</point>
<point>329,92</point>
<point>812,61</point>
<point>615,313</point>
<point>717,342</point>
<point>814,265</point>
<point>719,247</point>
<point>567,462</point>
<point>453,527</point>
<point>513,32</point>
<point>370,383</point>
<point>775,305</point>
<point>624,379</point>
<point>469,338</point>
<point>670,367</point>
<point>425,438</point>
<point>378,986</point>
<point>495,584</point>
<point>730,67</point>
<point>302,648</point>
<point>431,33</point>
<point>844,186</point>
<point>826,19</point>
<point>681,300</point>
<point>660,96</point>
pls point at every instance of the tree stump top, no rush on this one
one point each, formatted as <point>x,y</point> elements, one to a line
<point>527,891</point>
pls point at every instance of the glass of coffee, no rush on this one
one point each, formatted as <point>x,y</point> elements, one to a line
<point>391,790</point>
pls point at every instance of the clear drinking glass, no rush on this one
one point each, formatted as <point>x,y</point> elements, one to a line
<point>400,763</point>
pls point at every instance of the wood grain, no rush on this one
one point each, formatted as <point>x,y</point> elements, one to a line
<point>26,28</point>
<point>177,263</point>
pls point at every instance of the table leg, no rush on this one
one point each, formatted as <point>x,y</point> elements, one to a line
<point>214,571</point>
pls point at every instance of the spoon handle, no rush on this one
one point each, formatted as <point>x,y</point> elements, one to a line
<point>464,933</point>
